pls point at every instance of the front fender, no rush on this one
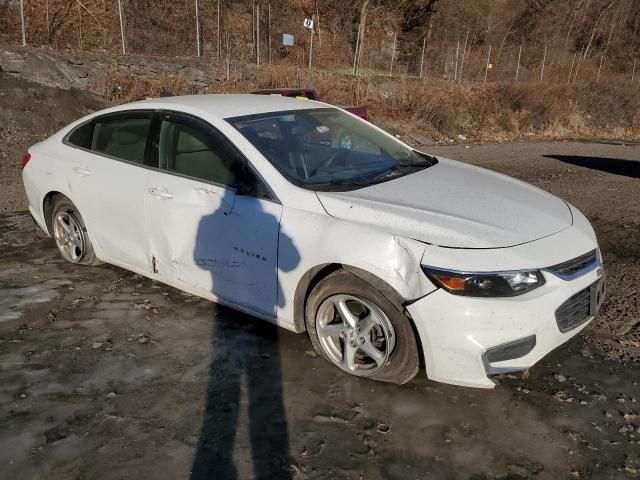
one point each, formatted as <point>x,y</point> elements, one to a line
<point>309,242</point>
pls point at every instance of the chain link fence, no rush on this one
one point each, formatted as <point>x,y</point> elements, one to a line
<point>251,31</point>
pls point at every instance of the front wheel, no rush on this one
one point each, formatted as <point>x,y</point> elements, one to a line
<point>356,328</point>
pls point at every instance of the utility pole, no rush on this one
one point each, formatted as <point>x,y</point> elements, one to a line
<point>121,27</point>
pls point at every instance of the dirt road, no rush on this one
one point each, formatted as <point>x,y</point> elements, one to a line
<point>105,374</point>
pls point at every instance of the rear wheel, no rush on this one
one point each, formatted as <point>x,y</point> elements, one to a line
<point>70,233</point>
<point>356,328</point>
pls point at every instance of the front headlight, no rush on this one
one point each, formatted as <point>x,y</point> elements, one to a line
<point>478,284</point>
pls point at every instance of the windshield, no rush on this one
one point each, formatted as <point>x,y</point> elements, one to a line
<point>328,149</point>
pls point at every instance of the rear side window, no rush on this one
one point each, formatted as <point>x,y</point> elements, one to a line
<point>123,137</point>
<point>82,136</point>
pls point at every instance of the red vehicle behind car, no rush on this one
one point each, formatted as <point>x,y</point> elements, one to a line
<point>311,94</point>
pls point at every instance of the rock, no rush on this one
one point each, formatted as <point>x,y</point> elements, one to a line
<point>23,395</point>
<point>559,377</point>
<point>462,137</point>
<point>421,139</point>
<point>310,353</point>
<point>111,395</point>
<point>143,339</point>
<point>96,345</point>
<point>383,428</point>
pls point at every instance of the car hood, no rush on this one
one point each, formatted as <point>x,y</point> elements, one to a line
<point>454,204</point>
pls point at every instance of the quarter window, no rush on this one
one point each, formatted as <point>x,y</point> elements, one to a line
<point>123,137</point>
<point>82,136</point>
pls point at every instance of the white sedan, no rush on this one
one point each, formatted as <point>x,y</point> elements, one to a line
<point>304,215</point>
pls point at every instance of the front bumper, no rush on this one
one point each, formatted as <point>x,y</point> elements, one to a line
<point>459,333</point>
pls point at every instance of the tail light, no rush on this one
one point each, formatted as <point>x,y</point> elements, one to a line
<point>25,159</point>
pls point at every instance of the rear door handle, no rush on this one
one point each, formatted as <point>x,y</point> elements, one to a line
<point>82,171</point>
<point>160,192</point>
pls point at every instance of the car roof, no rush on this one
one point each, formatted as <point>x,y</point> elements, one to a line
<point>228,105</point>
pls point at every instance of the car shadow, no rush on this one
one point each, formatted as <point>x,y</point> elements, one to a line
<point>617,166</point>
<point>245,353</point>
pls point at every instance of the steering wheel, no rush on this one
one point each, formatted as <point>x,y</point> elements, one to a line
<point>334,156</point>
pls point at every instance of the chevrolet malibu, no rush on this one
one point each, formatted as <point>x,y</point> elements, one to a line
<point>306,216</point>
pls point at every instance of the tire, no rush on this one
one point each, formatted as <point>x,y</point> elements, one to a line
<point>378,324</point>
<point>70,233</point>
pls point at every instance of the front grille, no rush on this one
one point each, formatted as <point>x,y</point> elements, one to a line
<point>574,265</point>
<point>574,311</point>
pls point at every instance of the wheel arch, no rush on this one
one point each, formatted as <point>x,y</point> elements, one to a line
<point>314,275</point>
<point>48,202</point>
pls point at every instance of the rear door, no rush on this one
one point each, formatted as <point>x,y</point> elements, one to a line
<point>107,176</point>
<point>201,232</point>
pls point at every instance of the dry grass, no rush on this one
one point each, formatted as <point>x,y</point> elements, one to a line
<point>440,109</point>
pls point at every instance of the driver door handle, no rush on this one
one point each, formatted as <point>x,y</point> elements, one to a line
<point>160,192</point>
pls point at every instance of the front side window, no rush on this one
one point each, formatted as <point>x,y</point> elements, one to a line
<point>189,150</point>
<point>123,136</point>
<point>328,149</point>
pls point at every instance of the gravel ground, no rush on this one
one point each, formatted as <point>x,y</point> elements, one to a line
<point>105,374</point>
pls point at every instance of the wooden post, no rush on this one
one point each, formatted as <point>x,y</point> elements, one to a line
<point>424,43</point>
<point>518,65</point>
<point>486,68</point>
<point>393,53</point>
<point>544,59</point>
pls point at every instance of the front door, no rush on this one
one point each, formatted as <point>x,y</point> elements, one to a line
<point>203,234</point>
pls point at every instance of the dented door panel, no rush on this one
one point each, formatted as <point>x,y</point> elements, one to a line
<point>207,237</point>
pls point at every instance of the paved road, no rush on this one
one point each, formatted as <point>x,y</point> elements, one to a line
<point>107,375</point>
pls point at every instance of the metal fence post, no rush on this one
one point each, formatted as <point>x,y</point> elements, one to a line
<point>124,51</point>
<point>24,35</point>
<point>486,67</point>
<point>197,30</point>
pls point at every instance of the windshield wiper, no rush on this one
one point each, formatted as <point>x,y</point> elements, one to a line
<point>334,183</point>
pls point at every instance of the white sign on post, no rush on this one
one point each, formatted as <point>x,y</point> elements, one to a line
<point>287,40</point>
<point>308,23</point>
